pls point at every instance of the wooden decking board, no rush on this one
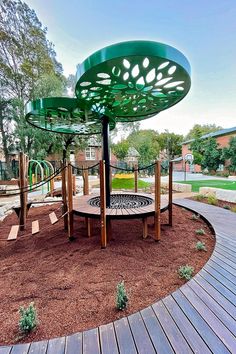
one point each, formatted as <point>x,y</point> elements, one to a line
<point>226,304</point>
<point>156,333</point>
<point>211,265</point>
<point>74,344</point>
<point>124,337</point>
<point>20,349</point>
<point>53,218</point>
<point>208,315</point>
<point>174,335</point>
<point>91,343</point>
<point>223,265</point>
<point>225,260</point>
<point>38,347</point>
<point>217,309</point>
<point>108,339</point>
<point>35,227</point>
<point>140,334</point>
<point>225,281</point>
<point>5,350</point>
<point>224,247</point>
<point>219,287</point>
<point>13,232</point>
<point>227,240</point>
<point>189,332</point>
<point>56,346</point>
<point>205,331</point>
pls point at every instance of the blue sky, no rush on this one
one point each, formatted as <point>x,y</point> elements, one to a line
<point>204,30</point>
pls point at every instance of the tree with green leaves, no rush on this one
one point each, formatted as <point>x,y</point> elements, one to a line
<point>229,153</point>
<point>147,145</point>
<point>171,143</point>
<point>199,130</point>
<point>212,155</point>
<point>28,70</point>
<point>120,149</point>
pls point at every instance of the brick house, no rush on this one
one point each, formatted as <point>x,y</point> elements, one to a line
<point>91,155</point>
<point>222,137</point>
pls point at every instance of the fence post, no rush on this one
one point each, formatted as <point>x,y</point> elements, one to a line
<point>63,191</point>
<point>170,205</point>
<point>70,202</point>
<point>23,194</point>
<point>136,178</point>
<point>157,201</point>
<point>103,204</point>
<point>86,182</point>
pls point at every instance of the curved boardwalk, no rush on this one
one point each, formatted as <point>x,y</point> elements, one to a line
<point>199,317</point>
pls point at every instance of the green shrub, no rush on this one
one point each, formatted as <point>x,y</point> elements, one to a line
<point>226,207</point>
<point>195,217</point>
<point>199,197</point>
<point>233,209</point>
<point>211,199</point>
<point>121,296</point>
<point>185,272</point>
<point>28,318</point>
<point>200,232</point>
<point>200,246</point>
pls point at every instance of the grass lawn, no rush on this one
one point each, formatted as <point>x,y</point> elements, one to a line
<point>231,185</point>
<point>127,183</point>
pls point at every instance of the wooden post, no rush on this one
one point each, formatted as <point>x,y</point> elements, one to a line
<point>103,204</point>
<point>170,205</point>
<point>110,179</point>
<point>63,191</point>
<point>22,184</point>
<point>51,187</point>
<point>86,182</point>
<point>136,178</point>
<point>158,201</point>
<point>26,163</point>
<point>74,184</point>
<point>70,202</point>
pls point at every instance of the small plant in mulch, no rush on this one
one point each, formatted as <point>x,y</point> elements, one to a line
<point>212,200</point>
<point>185,272</point>
<point>227,207</point>
<point>200,246</point>
<point>195,217</point>
<point>233,209</point>
<point>199,197</point>
<point>200,232</point>
<point>28,318</point>
<point>121,296</point>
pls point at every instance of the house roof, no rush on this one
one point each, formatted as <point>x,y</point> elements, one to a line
<point>132,152</point>
<point>220,132</point>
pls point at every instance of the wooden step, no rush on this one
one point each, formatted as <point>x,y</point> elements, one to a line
<point>13,233</point>
<point>35,227</point>
<point>53,218</point>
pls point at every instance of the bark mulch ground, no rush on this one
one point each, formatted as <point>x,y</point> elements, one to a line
<point>73,284</point>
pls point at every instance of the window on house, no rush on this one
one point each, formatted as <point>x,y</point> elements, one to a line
<point>90,153</point>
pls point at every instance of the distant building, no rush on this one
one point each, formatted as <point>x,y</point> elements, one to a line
<point>222,137</point>
<point>132,157</point>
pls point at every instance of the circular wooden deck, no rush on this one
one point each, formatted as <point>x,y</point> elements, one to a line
<point>82,207</point>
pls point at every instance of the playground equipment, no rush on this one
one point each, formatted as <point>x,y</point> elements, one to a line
<point>22,210</point>
<point>125,82</point>
<point>38,170</point>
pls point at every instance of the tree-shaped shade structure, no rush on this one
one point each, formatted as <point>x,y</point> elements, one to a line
<point>124,82</point>
<point>64,115</point>
<point>133,80</point>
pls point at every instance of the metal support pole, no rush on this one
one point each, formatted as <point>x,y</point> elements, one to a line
<point>106,156</point>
